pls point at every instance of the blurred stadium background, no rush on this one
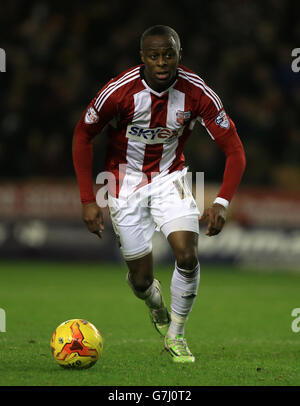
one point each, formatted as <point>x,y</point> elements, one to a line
<point>59,54</point>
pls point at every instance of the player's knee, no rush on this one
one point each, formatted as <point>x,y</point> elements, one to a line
<point>140,282</point>
<point>186,260</point>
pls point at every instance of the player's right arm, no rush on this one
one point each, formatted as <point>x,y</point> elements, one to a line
<point>98,113</point>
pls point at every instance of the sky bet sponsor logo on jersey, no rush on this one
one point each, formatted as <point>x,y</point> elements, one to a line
<point>158,135</point>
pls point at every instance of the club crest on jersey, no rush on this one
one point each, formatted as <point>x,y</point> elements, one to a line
<point>222,120</point>
<point>182,117</point>
<point>91,116</point>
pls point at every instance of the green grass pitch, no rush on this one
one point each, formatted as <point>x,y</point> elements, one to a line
<point>239,330</point>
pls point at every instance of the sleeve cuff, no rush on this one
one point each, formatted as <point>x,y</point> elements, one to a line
<point>222,201</point>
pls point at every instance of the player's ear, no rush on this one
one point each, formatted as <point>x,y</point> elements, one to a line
<point>142,56</point>
<point>180,54</point>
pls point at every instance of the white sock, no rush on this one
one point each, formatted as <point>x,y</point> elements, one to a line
<point>176,326</point>
<point>184,288</point>
<point>151,295</point>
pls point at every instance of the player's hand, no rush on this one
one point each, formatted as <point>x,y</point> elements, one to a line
<point>214,217</point>
<point>93,218</point>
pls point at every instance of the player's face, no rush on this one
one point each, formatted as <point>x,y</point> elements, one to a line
<point>161,56</point>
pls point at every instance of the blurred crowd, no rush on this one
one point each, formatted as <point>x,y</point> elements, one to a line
<point>59,54</point>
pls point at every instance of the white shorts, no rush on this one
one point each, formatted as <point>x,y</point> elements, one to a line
<point>167,206</point>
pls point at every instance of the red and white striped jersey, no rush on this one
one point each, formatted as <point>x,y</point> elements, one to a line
<point>147,131</point>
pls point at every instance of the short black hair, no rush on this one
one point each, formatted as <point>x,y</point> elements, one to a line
<point>160,30</point>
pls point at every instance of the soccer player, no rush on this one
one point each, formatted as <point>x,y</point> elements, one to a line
<point>150,111</point>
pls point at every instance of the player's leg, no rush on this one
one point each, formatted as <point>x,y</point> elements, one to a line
<point>141,280</point>
<point>184,283</point>
<point>140,274</point>
<point>175,212</point>
<point>185,278</point>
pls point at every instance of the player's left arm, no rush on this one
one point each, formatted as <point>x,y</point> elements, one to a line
<point>223,131</point>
